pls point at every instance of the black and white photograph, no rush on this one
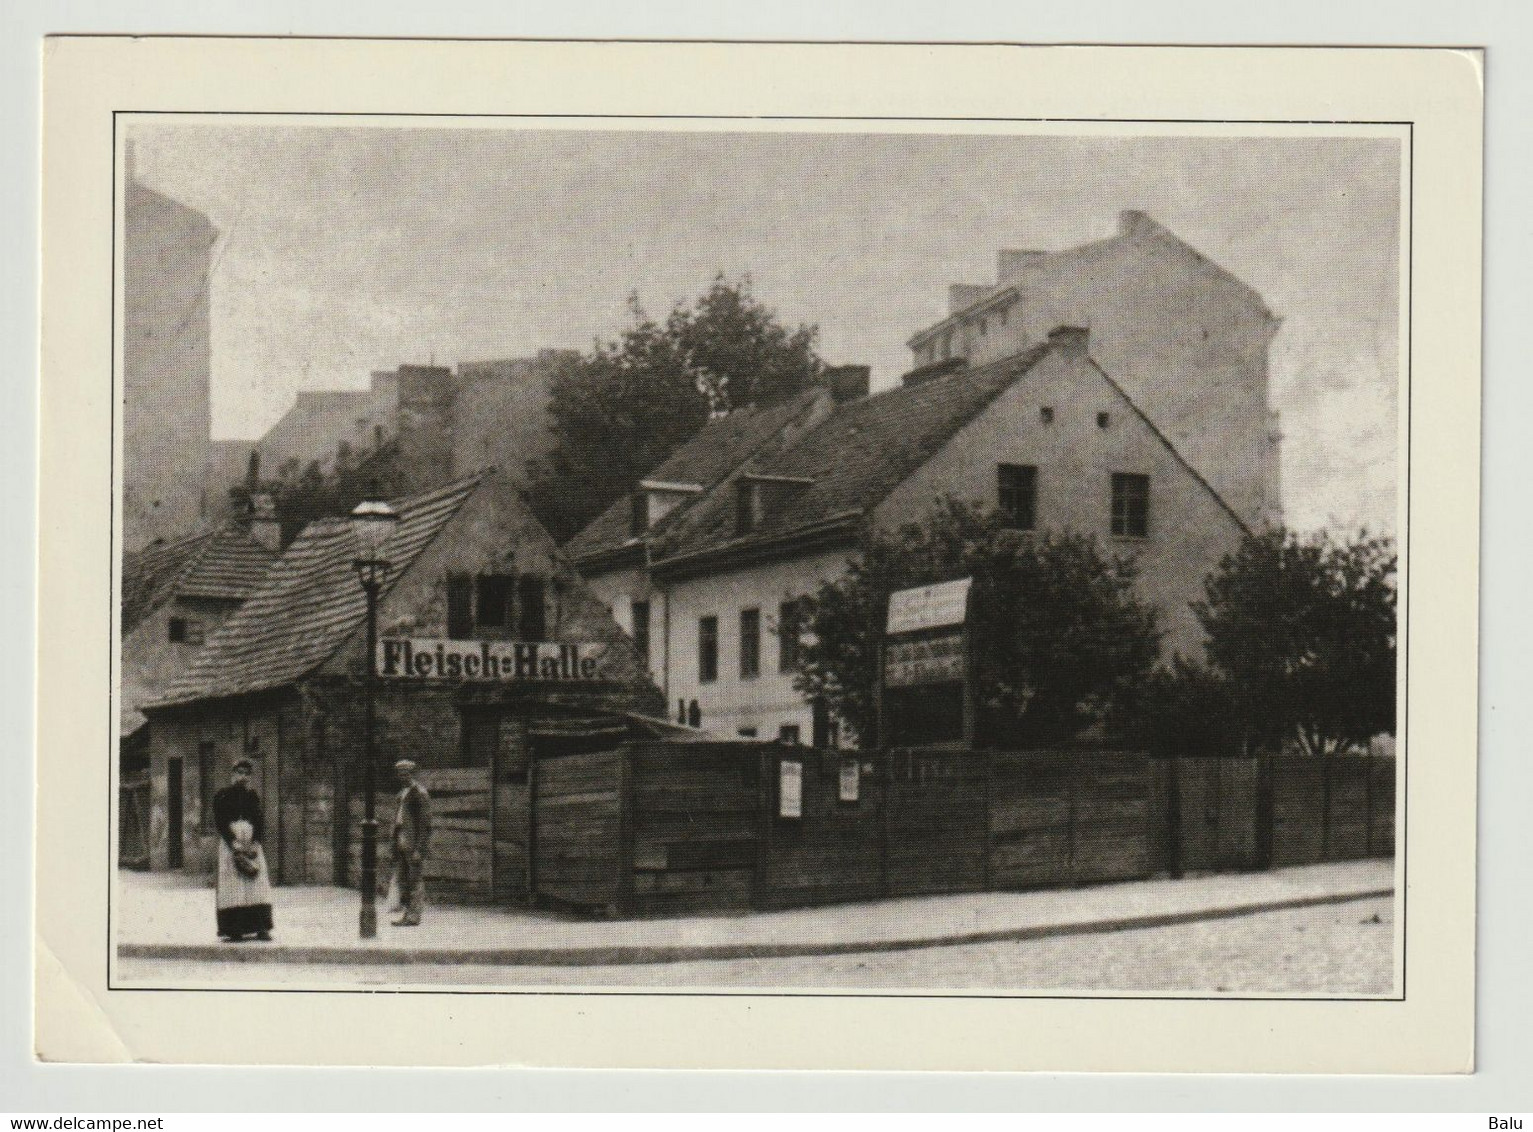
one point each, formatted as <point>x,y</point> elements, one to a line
<point>925,558</point>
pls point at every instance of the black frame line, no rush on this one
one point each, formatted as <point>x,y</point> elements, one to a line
<point>1401,835</point>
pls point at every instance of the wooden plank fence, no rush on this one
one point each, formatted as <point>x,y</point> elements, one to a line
<point>654,828</point>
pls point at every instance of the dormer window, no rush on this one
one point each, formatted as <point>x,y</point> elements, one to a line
<point>653,500</point>
<point>759,498</point>
<point>748,510</point>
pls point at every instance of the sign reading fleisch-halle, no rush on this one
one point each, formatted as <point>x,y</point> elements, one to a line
<point>936,660</point>
<point>432,658</point>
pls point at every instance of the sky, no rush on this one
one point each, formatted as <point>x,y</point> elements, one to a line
<point>348,249</point>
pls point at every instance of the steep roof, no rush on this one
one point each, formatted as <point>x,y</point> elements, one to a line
<point>854,458</point>
<point>224,564</point>
<point>309,603</point>
<point>717,449</point>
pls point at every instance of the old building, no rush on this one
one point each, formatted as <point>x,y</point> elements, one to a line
<point>494,653</point>
<point>1047,434</point>
<point>1186,339</point>
<point>167,251</point>
<point>430,423</point>
<point>613,552</point>
<point>174,597</point>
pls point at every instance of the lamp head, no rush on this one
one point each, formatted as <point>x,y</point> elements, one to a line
<point>373,523</point>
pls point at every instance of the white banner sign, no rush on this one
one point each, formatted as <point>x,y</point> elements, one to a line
<point>790,789</point>
<point>431,658</point>
<point>929,607</point>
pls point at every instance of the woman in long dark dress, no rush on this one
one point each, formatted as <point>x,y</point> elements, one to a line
<point>244,889</point>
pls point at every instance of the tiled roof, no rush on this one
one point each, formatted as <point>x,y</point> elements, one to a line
<point>149,575</point>
<point>855,457</point>
<point>309,602</point>
<point>222,564</point>
<point>719,447</point>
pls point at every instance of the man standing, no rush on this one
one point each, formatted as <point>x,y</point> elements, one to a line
<point>412,841</point>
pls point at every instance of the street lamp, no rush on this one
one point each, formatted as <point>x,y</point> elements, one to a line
<point>372,523</point>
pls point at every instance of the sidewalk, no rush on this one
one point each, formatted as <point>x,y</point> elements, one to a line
<point>166,916</point>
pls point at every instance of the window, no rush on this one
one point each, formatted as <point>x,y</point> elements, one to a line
<point>460,607</point>
<point>707,649</point>
<point>750,506</point>
<point>1046,414</point>
<point>747,732</point>
<point>184,631</point>
<point>1103,420</point>
<point>1016,489</point>
<point>534,618</point>
<point>207,769</point>
<point>750,643</point>
<point>789,618</point>
<point>788,734</point>
<point>983,326</point>
<point>641,630</point>
<point>1130,505</point>
<point>638,514</point>
<point>494,600</point>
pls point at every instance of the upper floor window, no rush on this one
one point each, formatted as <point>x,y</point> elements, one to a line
<point>495,605</point>
<point>184,630</point>
<point>460,607</point>
<point>638,514</point>
<point>790,616</point>
<point>532,604</point>
<point>750,643</point>
<point>1016,492</point>
<point>494,600</point>
<point>1130,505</point>
<point>747,506</point>
<point>707,650</point>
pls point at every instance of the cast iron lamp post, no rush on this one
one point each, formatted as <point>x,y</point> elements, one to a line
<point>373,525</point>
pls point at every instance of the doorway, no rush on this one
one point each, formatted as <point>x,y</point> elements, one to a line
<point>173,812</point>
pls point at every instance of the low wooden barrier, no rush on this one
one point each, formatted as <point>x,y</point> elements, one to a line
<point>658,828</point>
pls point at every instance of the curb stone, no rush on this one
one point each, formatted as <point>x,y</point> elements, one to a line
<point>635,954</point>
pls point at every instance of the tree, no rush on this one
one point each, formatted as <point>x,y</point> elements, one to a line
<point>1302,632</point>
<point>620,410</point>
<point>1057,635</point>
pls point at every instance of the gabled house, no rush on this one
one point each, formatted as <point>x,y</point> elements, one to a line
<point>1047,435</point>
<point>473,578</point>
<point>1185,338</point>
<point>613,551</point>
<point>174,596</point>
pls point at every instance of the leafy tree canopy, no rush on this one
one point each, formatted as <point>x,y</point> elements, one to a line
<point>621,409</point>
<point>1058,637</point>
<point>1301,633</point>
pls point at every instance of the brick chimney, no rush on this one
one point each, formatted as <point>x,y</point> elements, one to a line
<point>1133,222</point>
<point>847,383</point>
<point>1070,341</point>
<point>265,527</point>
<point>427,400</point>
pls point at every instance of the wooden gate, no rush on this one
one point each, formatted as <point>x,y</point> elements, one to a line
<point>1216,813</point>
